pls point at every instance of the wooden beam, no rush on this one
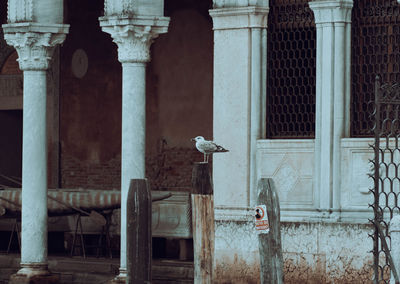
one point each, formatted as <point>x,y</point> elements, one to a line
<point>138,233</point>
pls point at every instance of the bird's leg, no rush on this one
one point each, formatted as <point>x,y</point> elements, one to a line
<point>208,155</point>
<point>205,156</point>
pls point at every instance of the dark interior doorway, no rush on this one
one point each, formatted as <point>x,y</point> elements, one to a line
<point>10,145</point>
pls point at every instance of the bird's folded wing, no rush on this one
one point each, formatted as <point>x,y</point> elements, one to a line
<point>209,146</point>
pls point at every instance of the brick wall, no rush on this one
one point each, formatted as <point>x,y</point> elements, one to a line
<point>168,169</point>
<point>171,168</point>
<point>79,174</point>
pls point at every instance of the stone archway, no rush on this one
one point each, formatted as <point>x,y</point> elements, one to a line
<point>9,66</point>
<point>11,89</point>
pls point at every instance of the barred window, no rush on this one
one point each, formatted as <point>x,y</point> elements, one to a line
<point>375,51</point>
<point>291,61</point>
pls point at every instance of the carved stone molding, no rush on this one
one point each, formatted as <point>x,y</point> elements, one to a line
<point>34,43</point>
<point>113,7</point>
<point>136,7</point>
<point>20,11</point>
<point>133,37</point>
<point>239,18</point>
<point>43,11</point>
<point>239,3</point>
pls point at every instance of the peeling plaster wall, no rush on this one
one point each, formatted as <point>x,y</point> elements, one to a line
<point>313,252</point>
<point>236,252</point>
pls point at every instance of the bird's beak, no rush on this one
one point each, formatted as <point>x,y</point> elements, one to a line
<point>192,139</point>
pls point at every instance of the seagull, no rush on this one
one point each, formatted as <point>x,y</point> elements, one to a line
<point>207,147</point>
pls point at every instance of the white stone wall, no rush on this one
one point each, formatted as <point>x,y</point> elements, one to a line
<point>319,246</point>
<point>322,182</point>
<point>326,252</point>
<point>355,195</point>
<point>290,163</point>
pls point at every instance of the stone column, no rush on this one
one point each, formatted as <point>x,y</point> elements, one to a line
<point>333,23</point>
<point>133,37</point>
<point>239,114</point>
<point>240,46</point>
<point>35,44</point>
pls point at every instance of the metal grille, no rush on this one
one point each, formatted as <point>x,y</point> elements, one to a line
<point>291,63</point>
<point>386,175</point>
<point>375,51</point>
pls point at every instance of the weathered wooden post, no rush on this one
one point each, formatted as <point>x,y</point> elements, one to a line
<point>269,230</point>
<point>203,223</point>
<point>138,232</point>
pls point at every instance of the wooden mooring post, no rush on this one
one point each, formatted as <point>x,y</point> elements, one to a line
<point>202,223</point>
<point>138,233</point>
<point>269,238</point>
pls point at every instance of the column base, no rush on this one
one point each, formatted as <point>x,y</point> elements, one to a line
<point>34,274</point>
<point>121,278</point>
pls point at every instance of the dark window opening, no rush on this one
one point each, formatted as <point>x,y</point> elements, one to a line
<point>291,61</point>
<point>375,51</point>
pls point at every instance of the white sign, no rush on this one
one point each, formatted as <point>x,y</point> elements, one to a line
<point>261,219</point>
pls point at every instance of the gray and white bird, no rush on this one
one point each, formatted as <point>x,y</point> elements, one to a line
<point>207,147</point>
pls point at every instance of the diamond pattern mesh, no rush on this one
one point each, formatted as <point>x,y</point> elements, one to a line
<point>386,174</point>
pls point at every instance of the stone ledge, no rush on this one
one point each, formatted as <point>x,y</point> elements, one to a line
<point>297,215</point>
<point>26,27</point>
<point>137,20</point>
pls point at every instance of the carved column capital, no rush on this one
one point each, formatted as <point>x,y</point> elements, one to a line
<point>133,37</point>
<point>34,49</point>
<point>239,18</point>
<point>331,11</point>
<point>133,42</point>
<point>35,45</point>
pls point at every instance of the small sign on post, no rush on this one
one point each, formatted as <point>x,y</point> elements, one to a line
<point>261,219</point>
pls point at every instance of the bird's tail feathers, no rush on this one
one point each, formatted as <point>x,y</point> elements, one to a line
<point>221,149</point>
